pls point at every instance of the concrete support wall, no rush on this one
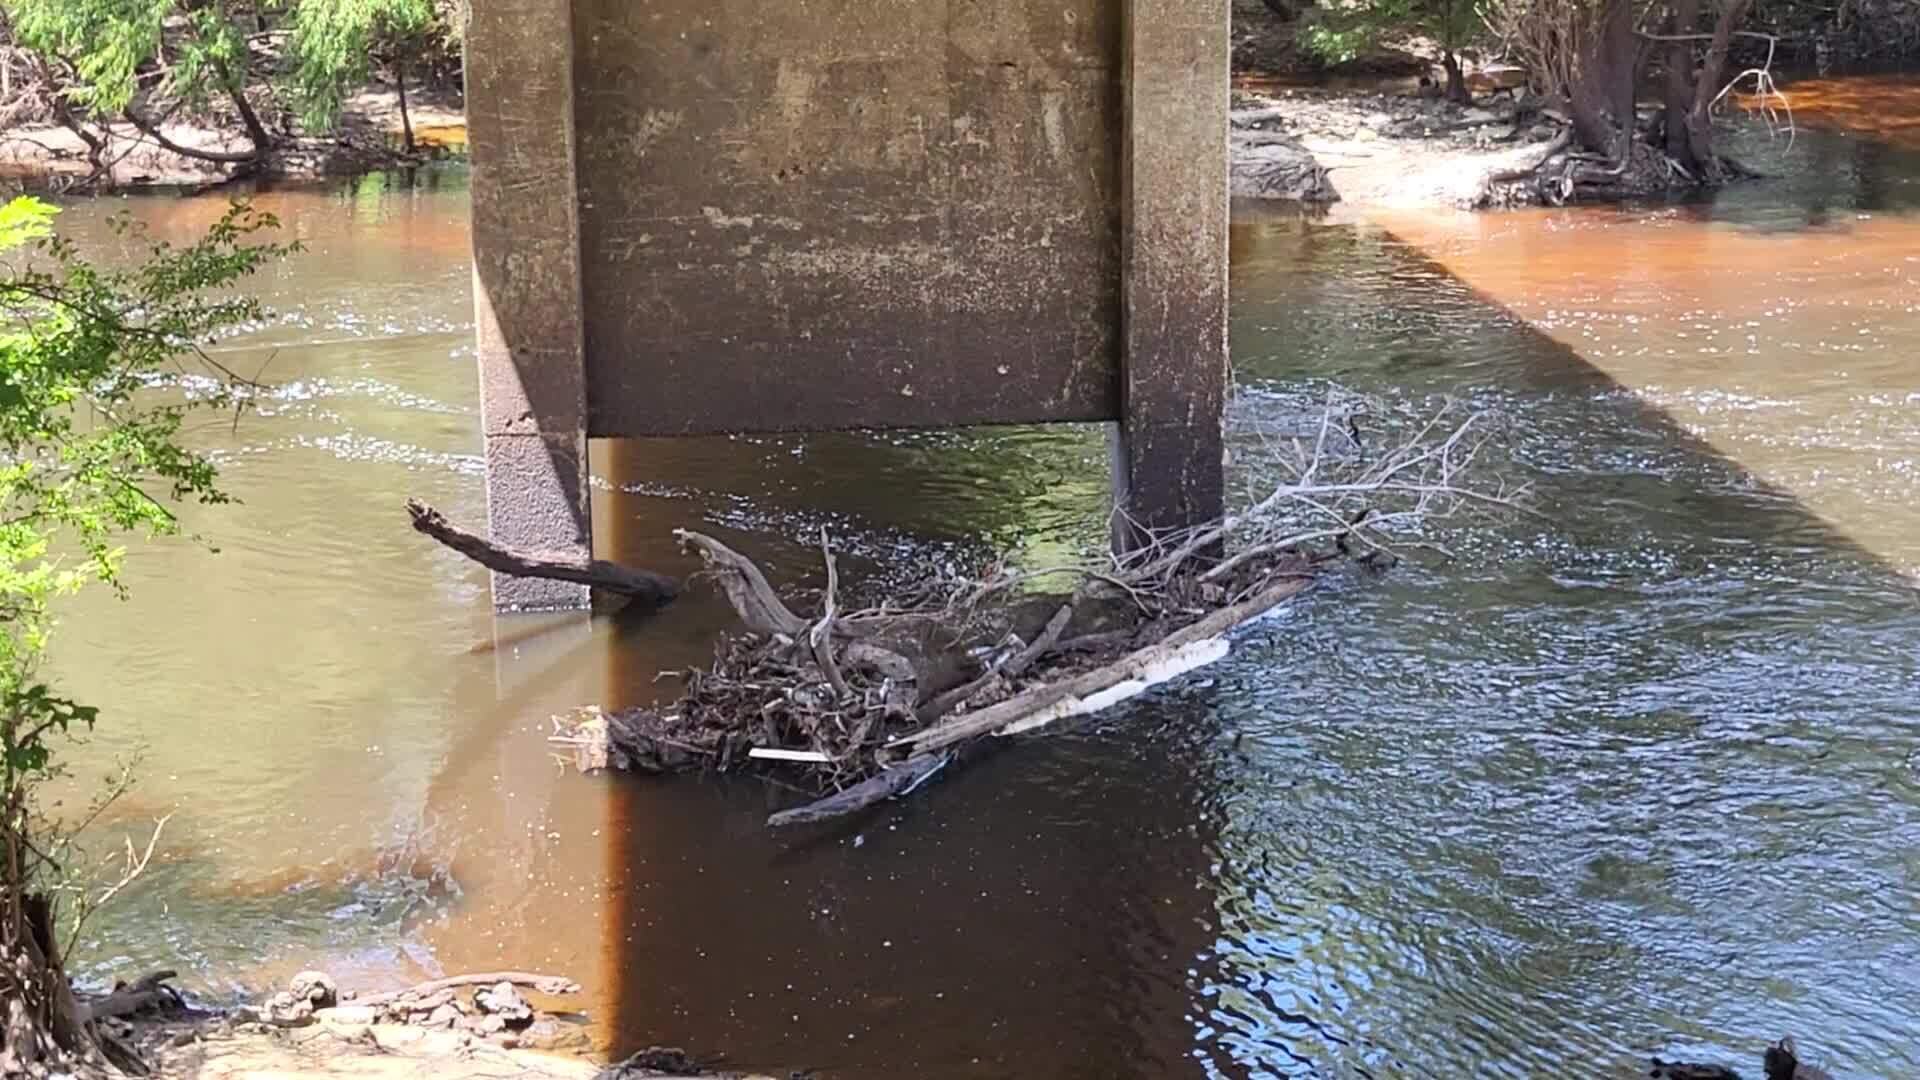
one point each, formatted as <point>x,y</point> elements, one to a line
<point>1173,270</point>
<point>849,213</point>
<point>700,216</point>
<point>526,265</point>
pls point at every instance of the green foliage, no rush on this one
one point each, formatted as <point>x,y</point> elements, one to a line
<point>107,53</point>
<point>92,367</point>
<point>1339,32</point>
<point>109,44</point>
<point>334,42</point>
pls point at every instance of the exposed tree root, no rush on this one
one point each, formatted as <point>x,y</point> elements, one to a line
<point>147,993</point>
<point>46,1028</point>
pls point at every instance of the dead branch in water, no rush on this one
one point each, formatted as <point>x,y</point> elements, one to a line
<point>864,704</point>
<point>891,782</point>
<point>644,586</point>
<point>759,607</point>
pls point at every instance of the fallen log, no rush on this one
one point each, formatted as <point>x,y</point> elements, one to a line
<point>643,586</point>
<point>1049,637</point>
<point>1182,651</point>
<point>1083,687</point>
<point>1540,158</point>
<point>772,698</point>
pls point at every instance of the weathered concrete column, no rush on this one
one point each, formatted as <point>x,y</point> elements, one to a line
<point>527,300</point>
<point>1174,263</point>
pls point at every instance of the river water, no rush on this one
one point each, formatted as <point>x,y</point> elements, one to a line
<point>1636,775</point>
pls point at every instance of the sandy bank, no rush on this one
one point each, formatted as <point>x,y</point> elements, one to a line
<point>1398,151</point>
<point>50,156</point>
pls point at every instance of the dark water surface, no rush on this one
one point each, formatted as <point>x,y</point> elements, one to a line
<point>1635,776</point>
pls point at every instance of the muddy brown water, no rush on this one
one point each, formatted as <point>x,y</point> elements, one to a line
<point>1638,776</point>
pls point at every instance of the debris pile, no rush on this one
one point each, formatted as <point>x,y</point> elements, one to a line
<point>863,700</point>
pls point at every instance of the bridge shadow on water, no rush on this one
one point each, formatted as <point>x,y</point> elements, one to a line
<point>1256,872</point>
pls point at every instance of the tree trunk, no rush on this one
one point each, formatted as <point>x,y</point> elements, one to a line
<point>96,146</point>
<point>1625,62</point>
<point>1685,15</point>
<point>257,132</point>
<point>400,89</point>
<point>151,129</point>
<point>1586,93</point>
<point>1707,85</point>
<point>1623,69</point>
<point>1605,73</point>
<point>45,1026</point>
<point>1456,80</point>
<point>96,143</point>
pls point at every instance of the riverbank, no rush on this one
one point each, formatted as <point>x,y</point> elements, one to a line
<point>370,137</point>
<point>366,1052</point>
<point>331,1051</point>
<point>1385,149</point>
<point>451,1029</point>
<point>1364,147</point>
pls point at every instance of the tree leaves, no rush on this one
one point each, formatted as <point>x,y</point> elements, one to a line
<point>112,52</point>
<point>1340,33</point>
<point>334,42</point>
<point>92,364</point>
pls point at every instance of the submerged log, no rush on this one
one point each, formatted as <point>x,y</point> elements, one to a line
<point>644,586</point>
<point>877,788</point>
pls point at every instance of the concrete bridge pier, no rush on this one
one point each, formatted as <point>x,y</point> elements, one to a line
<point>701,216</point>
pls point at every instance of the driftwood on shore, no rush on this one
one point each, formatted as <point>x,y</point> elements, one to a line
<point>643,586</point>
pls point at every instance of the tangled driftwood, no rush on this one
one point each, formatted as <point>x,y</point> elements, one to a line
<point>868,704</point>
<point>860,702</point>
